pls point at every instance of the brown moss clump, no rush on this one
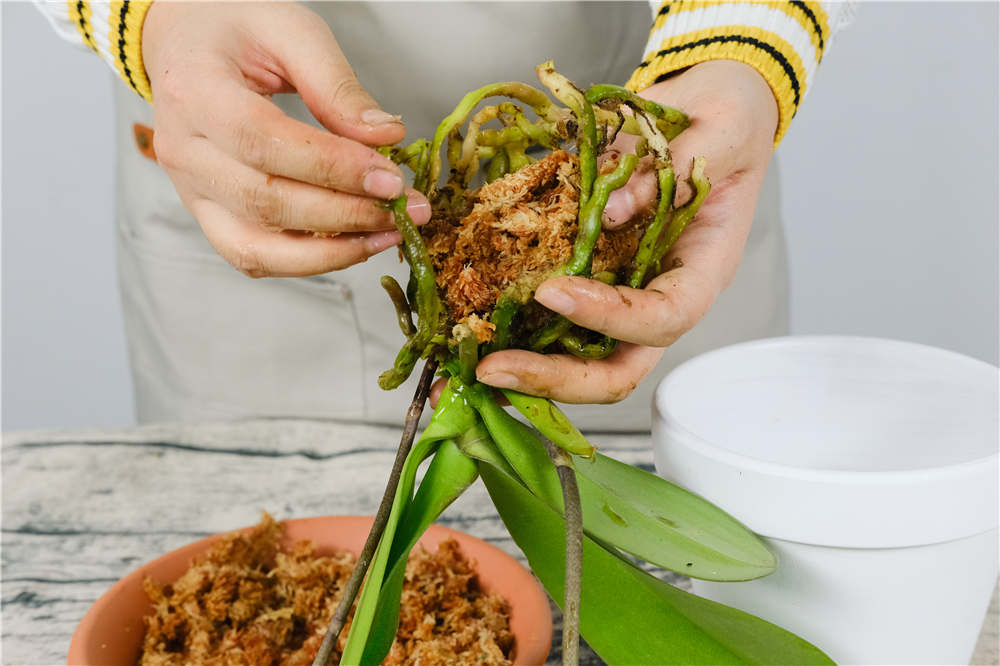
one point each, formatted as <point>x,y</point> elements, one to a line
<point>516,229</point>
<point>445,617</point>
<point>248,603</point>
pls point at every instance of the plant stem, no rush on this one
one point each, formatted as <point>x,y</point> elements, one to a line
<point>502,317</point>
<point>381,517</point>
<point>468,352</point>
<point>574,554</point>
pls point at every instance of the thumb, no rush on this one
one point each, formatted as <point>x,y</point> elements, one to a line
<point>320,73</point>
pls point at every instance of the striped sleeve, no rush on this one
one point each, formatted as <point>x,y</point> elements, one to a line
<point>113,30</point>
<point>783,40</point>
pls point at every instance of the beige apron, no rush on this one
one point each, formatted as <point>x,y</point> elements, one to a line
<point>208,343</point>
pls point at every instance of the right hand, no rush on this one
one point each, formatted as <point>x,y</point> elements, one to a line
<point>262,185</point>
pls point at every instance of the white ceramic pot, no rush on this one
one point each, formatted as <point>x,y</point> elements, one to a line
<point>870,467</point>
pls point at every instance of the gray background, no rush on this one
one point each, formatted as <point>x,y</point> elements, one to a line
<point>889,181</point>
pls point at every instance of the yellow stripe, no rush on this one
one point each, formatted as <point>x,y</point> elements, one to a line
<point>131,68</point>
<point>74,16</point>
<point>824,20</point>
<point>133,46</point>
<point>88,21</point>
<point>114,20</point>
<point>793,11</point>
<point>80,16</point>
<point>662,18</point>
<point>797,13</point>
<point>772,71</point>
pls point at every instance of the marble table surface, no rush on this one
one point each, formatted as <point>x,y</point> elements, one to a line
<point>82,509</point>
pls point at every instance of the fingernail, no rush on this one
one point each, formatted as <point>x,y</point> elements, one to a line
<point>379,117</point>
<point>381,240</point>
<point>420,211</point>
<point>555,299</point>
<point>383,184</point>
<point>501,380</point>
<point>620,208</point>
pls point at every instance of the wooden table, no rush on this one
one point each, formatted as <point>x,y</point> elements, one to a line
<point>82,509</point>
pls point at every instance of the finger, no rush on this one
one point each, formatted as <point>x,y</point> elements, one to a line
<point>436,389</point>
<point>254,131</point>
<point>280,203</point>
<point>567,378</point>
<point>703,262</point>
<point>653,316</point>
<point>258,252</point>
<point>315,65</point>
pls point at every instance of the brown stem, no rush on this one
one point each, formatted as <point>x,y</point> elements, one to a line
<point>574,554</point>
<point>381,517</point>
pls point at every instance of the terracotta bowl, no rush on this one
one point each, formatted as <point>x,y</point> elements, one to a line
<point>110,634</point>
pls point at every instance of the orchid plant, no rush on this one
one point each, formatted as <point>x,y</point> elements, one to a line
<point>582,519</point>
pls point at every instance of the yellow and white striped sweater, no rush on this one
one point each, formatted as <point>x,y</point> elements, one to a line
<point>783,40</point>
<point>112,29</point>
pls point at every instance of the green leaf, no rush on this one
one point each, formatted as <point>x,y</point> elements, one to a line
<point>447,477</point>
<point>452,417</point>
<point>631,509</point>
<point>662,523</point>
<point>551,422</point>
<point>519,445</point>
<point>631,617</point>
<point>476,443</point>
<point>364,614</point>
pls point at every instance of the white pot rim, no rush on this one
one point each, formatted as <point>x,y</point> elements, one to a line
<point>829,475</point>
<point>846,508</point>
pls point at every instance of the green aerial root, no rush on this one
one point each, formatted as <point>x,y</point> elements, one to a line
<point>586,137</point>
<point>644,256</point>
<point>670,122</point>
<point>427,301</point>
<point>533,97</point>
<point>404,315</point>
<point>575,345</point>
<point>592,214</point>
<point>685,214</point>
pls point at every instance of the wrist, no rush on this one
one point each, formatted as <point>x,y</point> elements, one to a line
<point>153,35</point>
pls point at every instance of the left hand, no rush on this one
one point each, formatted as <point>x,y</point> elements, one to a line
<point>733,121</point>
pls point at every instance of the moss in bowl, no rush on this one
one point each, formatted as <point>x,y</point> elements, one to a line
<point>112,631</point>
